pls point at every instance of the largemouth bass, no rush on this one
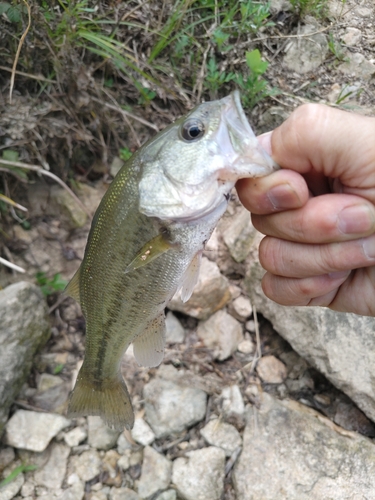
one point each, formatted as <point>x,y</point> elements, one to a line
<point>146,242</point>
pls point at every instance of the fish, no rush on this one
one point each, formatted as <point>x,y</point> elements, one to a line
<point>146,243</point>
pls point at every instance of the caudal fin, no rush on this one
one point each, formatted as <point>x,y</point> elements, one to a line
<point>108,399</point>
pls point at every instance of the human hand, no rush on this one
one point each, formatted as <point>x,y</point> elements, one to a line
<point>318,216</point>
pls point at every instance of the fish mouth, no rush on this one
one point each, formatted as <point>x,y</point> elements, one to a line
<point>239,143</point>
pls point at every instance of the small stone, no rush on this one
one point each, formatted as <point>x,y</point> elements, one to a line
<point>246,346</point>
<point>167,495</point>
<point>52,474</point>
<point>100,436</point>
<point>32,430</point>
<point>222,435</point>
<point>174,330</point>
<point>28,488</point>
<point>47,381</point>
<point>142,432</point>
<point>86,465</point>
<point>156,473</point>
<point>123,444</point>
<point>201,475</point>
<point>250,326</point>
<point>123,494</point>
<point>322,399</point>
<point>271,370</point>
<point>98,495</point>
<point>210,294</point>
<point>352,37</point>
<point>75,436</point>
<point>74,492</point>
<point>171,408</point>
<point>124,461</point>
<point>222,333</point>
<point>232,401</point>
<point>241,308</point>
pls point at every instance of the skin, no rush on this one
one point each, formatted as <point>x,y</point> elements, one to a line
<point>318,213</point>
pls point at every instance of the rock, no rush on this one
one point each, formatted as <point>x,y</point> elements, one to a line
<point>232,402</point>
<point>171,408</point>
<point>167,495</point>
<point>86,465</point>
<point>210,294</point>
<point>52,474</point>
<point>71,213</point>
<point>201,475</point>
<point>75,436</point>
<point>271,119</point>
<point>246,346</point>
<point>358,66</point>
<point>47,381</point>
<point>271,370</point>
<point>24,328</point>
<point>142,432</point>
<point>291,451</point>
<point>238,233</point>
<point>123,444</point>
<point>175,332</point>
<point>339,345</point>
<point>75,491</point>
<point>100,436</point>
<point>222,435</point>
<point>222,333</point>
<point>123,494</point>
<point>352,37</point>
<point>32,430</point>
<point>156,473</point>
<point>241,308</point>
<point>306,53</point>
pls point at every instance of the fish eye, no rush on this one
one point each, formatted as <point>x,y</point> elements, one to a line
<point>192,130</point>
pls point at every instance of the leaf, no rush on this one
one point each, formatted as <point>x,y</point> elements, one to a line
<point>255,63</point>
<point>18,470</point>
<point>14,14</point>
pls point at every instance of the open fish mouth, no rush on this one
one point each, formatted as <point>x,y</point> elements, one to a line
<point>239,143</point>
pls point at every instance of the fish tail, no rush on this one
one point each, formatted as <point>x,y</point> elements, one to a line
<point>108,399</point>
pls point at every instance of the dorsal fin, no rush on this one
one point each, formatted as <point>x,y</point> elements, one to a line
<point>72,288</point>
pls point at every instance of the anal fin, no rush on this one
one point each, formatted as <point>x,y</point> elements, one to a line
<point>150,251</point>
<point>190,277</point>
<point>148,347</point>
<point>72,288</point>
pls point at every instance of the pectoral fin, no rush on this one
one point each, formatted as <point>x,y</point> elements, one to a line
<point>150,251</point>
<point>72,288</point>
<point>148,348</point>
<point>190,277</point>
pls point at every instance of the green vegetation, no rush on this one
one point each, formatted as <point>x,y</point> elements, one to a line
<point>18,470</point>
<point>316,8</point>
<point>52,285</point>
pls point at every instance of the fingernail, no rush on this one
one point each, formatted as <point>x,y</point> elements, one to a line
<point>283,196</point>
<point>265,141</point>
<point>368,245</point>
<point>356,219</point>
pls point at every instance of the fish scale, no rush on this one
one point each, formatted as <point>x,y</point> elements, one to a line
<point>146,242</point>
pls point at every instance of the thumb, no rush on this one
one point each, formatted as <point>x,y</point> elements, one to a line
<point>317,139</point>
